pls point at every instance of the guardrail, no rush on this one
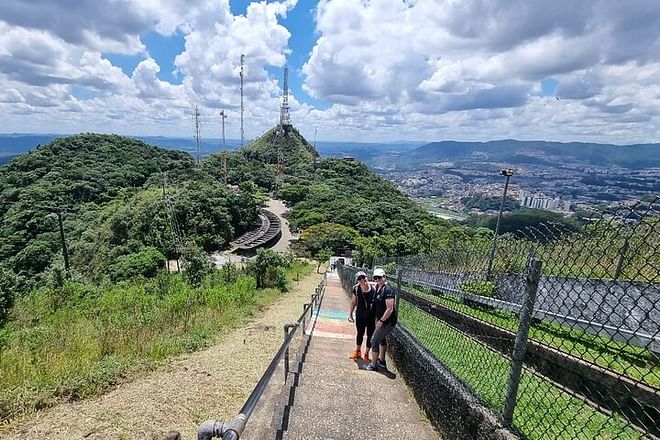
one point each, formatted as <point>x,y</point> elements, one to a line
<point>233,429</point>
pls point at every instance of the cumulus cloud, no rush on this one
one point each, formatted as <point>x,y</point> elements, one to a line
<point>383,69</point>
<point>447,64</point>
<point>52,56</point>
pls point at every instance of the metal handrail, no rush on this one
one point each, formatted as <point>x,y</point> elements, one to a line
<point>233,429</point>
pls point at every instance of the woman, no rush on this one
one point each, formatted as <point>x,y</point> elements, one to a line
<point>385,312</point>
<point>363,294</point>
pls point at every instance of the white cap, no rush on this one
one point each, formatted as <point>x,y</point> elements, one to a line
<point>379,272</point>
<point>360,274</point>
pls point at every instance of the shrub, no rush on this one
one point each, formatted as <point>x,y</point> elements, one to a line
<point>479,287</point>
<point>147,262</point>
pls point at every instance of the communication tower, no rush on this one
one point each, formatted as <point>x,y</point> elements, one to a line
<point>197,135</point>
<point>242,109</point>
<point>285,117</point>
<point>223,116</point>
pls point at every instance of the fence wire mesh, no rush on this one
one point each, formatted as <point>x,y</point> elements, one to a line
<point>592,364</point>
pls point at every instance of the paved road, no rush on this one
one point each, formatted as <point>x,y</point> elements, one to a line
<point>277,207</point>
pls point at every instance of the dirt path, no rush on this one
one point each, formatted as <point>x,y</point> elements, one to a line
<point>210,384</point>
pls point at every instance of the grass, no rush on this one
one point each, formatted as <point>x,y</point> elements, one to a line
<point>627,359</point>
<point>543,410</point>
<point>76,341</point>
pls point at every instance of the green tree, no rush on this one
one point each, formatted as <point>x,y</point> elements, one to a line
<point>322,257</point>
<point>269,269</point>
<point>330,236</point>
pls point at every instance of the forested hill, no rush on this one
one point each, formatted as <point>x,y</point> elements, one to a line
<point>110,191</point>
<point>535,152</point>
<point>337,203</point>
<point>117,224</point>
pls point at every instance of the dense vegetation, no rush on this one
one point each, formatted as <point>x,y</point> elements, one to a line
<point>338,204</point>
<point>109,191</point>
<point>76,340</point>
<point>489,203</point>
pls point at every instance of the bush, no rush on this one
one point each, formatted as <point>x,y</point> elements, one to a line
<point>146,262</point>
<point>7,286</point>
<point>479,287</point>
<point>269,270</point>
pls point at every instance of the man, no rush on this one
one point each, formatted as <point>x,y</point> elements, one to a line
<point>386,318</point>
<point>363,294</point>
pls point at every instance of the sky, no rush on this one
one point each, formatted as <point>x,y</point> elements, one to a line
<point>359,70</point>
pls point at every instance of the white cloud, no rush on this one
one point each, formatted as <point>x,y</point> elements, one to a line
<point>51,57</point>
<point>448,64</point>
<point>385,69</point>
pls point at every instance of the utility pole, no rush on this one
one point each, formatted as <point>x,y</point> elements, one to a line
<point>197,135</point>
<point>507,172</point>
<point>242,109</point>
<point>64,249</point>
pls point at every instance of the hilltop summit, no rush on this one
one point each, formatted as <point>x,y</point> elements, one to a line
<point>293,145</point>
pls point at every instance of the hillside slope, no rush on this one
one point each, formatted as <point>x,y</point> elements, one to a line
<point>535,152</point>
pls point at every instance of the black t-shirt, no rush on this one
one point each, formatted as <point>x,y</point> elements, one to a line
<point>364,301</point>
<point>379,304</point>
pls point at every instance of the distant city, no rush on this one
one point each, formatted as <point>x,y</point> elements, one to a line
<point>445,187</point>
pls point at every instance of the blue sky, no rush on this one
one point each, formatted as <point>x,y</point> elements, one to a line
<point>373,70</point>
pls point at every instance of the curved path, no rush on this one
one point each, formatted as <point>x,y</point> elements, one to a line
<point>277,207</point>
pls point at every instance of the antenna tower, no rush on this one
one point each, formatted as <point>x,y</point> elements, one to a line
<point>242,75</point>
<point>197,135</point>
<point>285,117</point>
<point>223,115</point>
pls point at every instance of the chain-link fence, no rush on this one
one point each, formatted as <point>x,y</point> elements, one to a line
<point>590,339</point>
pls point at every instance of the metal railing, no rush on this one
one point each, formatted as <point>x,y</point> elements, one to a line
<point>563,338</point>
<point>233,429</point>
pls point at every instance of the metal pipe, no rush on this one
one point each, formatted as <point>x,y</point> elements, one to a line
<point>520,346</point>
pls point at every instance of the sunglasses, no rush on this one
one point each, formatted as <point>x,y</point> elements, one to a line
<point>377,277</point>
<point>362,277</point>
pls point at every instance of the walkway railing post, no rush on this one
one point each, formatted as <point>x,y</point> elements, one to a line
<point>287,327</point>
<point>520,347</point>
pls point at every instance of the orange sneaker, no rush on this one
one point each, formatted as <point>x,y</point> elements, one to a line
<point>366,356</point>
<point>355,354</point>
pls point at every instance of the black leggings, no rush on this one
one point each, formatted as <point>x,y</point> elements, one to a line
<point>364,323</point>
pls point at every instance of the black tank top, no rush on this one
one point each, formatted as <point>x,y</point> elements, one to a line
<point>364,300</point>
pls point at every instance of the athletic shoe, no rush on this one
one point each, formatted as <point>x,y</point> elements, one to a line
<point>382,364</point>
<point>355,354</point>
<point>371,367</point>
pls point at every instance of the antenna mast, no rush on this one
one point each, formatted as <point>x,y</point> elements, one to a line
<point>242,75</point>
<point>223,115</point>
<point>285,117</point>
<point>197,135</point>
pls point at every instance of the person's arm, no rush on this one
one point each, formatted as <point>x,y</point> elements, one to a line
<point>389,304</point>
<point>353,304</point>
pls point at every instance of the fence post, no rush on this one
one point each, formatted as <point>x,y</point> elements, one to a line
<point>524,321</point>
<point>286,351</point>
<point>619,264</point>
<point>398,286</point>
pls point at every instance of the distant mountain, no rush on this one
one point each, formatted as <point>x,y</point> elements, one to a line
<point>15,144</point>
<point>5,159</point>
<point>534,152</point>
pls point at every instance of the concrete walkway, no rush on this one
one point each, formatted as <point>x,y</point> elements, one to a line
<point>337,399</point>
